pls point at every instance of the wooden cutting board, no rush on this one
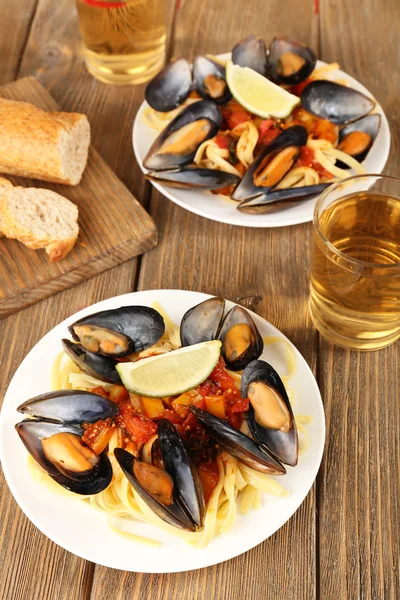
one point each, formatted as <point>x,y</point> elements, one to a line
<point>113,225</point>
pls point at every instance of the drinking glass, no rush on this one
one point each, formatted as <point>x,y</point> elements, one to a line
<point>124,41</point>
<point>355,270</point>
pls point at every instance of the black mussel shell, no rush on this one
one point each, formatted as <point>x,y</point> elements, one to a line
<point>182,149</point>
<point>252,53</point>
<point>96,365</point>
<point>194,177</point>
<point>289,61</point>
<point>170,87</point>
<point>278,200</point>
<point>140,326</point>
<point>173,514</point>
<point>239,445</point>
<point>90,482</point>
<point>369,125</point>
<point>69,407</point>
<point>202,322</point>
<point>180,466</point>
<point>295,136</point>
<point>239,347</point>
<point>209,80</point>
<point>283,445</point>
<point>337,103</point>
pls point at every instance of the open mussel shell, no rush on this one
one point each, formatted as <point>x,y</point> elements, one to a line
<point>272,164</point>
<point>194,177</point>
<point>173,514</point>
<point>95,365</point>
<point>337,103</point>
<point>170,88</point>
<point>69,406</point>
<point>209,80</point>
<point>278,200</point>
<point>177,143</point>
<point>239,445</point>
<point>87,482</point>
<point>289,61</point>
<point>120,331</point>
<point>270,417</point>
<point>252,53</point>
<point>182,470</point>
<point>202,322</point>
<point>241,340</point>
<point>357,137</point>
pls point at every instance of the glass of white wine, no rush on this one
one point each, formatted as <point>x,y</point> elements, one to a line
<point>355,271</point>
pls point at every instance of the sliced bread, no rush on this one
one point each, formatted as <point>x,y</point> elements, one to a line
<point>40,219</point>
<point>4,186</point>
<point>52,146</point>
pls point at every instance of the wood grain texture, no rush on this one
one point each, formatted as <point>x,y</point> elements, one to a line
<point>113,226</point>
<point>15,23</point>
<point>359,489</point>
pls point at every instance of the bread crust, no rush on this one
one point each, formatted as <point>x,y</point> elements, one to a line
<point>4,186</point>
<point>29,141</point>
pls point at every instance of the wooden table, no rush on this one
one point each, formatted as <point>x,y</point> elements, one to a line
<point>343,543</point>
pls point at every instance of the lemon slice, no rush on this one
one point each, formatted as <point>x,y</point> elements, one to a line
<point>258,94</point>
<point>172,373</point>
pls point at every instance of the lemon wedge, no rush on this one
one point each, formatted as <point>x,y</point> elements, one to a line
<point>172,373</point>
<point>258,94</point>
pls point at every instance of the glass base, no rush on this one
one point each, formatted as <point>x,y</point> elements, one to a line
<point>124,69</point>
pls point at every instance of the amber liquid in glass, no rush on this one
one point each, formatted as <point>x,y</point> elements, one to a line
<point>357,304</point>
<point>123,42</point>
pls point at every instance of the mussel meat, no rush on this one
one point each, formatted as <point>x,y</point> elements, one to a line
<point>119,332</point>
<point>337,103</point>
<point>177,143</point>
<point>53,437</point>
<point>289,61</point>
<point>272,164</point>
<point>209,80</point>
<point>194,177</point>
<point>241,340</point>
<point>174,494</point>
<point>270,416</point>
<point>357,137</point>
<point>202,322</point>
<point>239,445</point>
<point>170,87</point>
<point>252,53</point>
<point>96,365</point>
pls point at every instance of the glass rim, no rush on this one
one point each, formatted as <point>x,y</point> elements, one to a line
<point>321,198</point>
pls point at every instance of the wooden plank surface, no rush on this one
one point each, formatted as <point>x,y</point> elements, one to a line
<point>113,226</point>
<point>358,498</point>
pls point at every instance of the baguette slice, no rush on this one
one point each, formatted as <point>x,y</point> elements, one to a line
<point>40,219</point>
<point>4,186</point>
<point>52,146</point>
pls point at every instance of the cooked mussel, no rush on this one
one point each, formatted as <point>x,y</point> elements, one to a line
<point>272,164</point>
<point>270,416</point>
<point>170,87</point>
<point>209,80</point>
<point>337,103</point>
<point>239,445</point>
<point>252,53</point>
<point>202,322</point>
<point>96,365</point>
<point>177,143</point>
<point>357,137</point>
<point>174,494</point>
<point>241,340</point>
<point>281,199</point>
<point>120,331</point>
<point>194,177</point>
<point>53,437</point>
<point>289,61</point>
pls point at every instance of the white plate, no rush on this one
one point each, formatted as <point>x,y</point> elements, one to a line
<point>77,527</point>
<point>221,209</point>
